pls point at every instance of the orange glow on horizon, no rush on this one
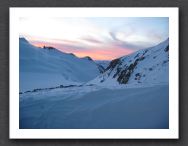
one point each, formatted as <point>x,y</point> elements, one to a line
<point>108,53</point>
<point>39,45</point>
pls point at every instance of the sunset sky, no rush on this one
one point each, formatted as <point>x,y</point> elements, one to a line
<point>102,38</point>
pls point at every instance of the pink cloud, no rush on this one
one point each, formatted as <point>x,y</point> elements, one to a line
<point>103,52</point>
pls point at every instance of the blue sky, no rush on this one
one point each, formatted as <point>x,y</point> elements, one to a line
<point>100,38</point>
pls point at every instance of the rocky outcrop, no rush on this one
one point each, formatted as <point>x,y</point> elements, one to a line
<point>101,68</point>
<point>88,58</point>
<point>113,63</point>
<point>166,49</point>
<point>48,47</point>
<point>125,74</point>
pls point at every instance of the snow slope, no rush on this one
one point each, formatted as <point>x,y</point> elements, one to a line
<point>95,107</point>
<point>145,66</point>
<point>48,67</point>
<point>103,63</point>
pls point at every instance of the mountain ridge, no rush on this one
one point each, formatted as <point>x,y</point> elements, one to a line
<point>42,68</point>
<point>137,67</point>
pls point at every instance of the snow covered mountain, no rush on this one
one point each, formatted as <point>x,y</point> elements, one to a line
<point>48,67</point>
<point>102,65</point>
<point>149,66</point>
<point>115,99</point>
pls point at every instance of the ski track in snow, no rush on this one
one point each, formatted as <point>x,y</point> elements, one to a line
<point>96,107</point>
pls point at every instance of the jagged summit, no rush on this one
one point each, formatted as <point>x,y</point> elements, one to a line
<point>49,47</point>
<point>88,58</point>
<point>72,54</point>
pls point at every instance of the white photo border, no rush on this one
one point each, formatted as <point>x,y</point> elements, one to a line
<point>171,133</point>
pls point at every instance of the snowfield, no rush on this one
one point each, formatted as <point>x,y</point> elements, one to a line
<point>96,107</point>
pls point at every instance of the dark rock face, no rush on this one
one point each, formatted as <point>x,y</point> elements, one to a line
<point>72,54</point>
<point>165,61</point>
<point>48,47</point>
<point>51,88</point>
<point>89,58</point>
<point>145,52</point>
<point>101,68</point>
<point>113,63</point>
<point>166,49</point>
<point>137,76</point>
<point>124,73</point>
<point>118,71</point>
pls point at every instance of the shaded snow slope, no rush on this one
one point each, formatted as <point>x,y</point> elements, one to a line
<point>146,66</point>
<point>96,107</point>
<point>48,67</point>
<point>102,65</point>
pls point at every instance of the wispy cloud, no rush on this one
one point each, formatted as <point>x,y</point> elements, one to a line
<point>91,40</point>
<point>100,38</point>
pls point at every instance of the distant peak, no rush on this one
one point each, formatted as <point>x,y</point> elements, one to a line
<point>72,54</point>
<point>49,47</point>
<point>88,58</point>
